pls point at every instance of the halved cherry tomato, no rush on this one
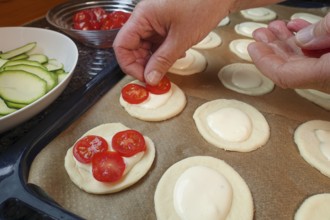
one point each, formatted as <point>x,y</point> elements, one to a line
<point>99,13</point>
<point>85,148</point>
<point>315,53</point>
<point>108,166</point>
<point>82,16</point>
<point>163,86</point>
<point>134,93</point>
<point>128,143</point>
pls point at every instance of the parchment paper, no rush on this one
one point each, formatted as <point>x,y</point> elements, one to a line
<point>277,175</point>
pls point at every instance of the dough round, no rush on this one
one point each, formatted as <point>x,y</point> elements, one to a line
<point>247,28</point>
<point>314,207</point>
<point>172,107</point>
<point>224,21</point>
<point>311,18</point>
<point>309,140</point>
<point>85,180</point>
<point>193,62</point>
<point>245,78</point>
<point>258,136</point>
<point>242,203</point>
<point>212,40</point>
<point>259,14</point>
<point>239,47</point>
<point>319,98</point>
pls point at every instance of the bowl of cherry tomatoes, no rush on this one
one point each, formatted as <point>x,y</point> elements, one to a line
<point>93,23</point>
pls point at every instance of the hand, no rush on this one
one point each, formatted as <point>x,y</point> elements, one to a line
<point>278,55</point>
<point>160,31</point>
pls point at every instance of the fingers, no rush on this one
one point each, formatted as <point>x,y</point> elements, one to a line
<point>315,36</point>
<point>296,24</point>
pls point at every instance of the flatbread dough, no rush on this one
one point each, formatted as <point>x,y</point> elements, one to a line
<point>242,203</point>
<point>85,180</point>
<point>247,28</point>
<point>239,47</point>
<point>172,107</point>
<point>259,14</point>
<point>212,40</point>
<point>245,78</point>
<point>193,62</point>
<point>259,132</point>
<point>313,144</point>
<point>317,97</point>
<point>315,207</point>
<point>311,18</point>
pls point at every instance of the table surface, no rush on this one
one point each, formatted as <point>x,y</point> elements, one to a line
<point>24,11</point>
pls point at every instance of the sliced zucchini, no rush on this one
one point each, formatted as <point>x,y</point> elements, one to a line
<point>21,87</point>
<point>2,62</point>
<point>20,50</point>
<point>24,62</point>
<point>53,65</point>
<point>15,105</point>
<point>49,77</point>
<point>22,56</point>
<point>41,58</point>
<point>4,109</point>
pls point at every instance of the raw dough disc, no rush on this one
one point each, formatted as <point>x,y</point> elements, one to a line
<point>224,21</point>
<point>319,98</point>
<point>245,78</point>
<point>247,28</point>
<point>239,47</point>
<point>258,136</point>
<point>85,180</point>
<point>313,144</point>
<point>311,18</point>
<point>259,14</point>
<point>193,62</point>
<point>314,207</point>
<point>212,40</point>
<point>242,204</point>
<point>172,107</point>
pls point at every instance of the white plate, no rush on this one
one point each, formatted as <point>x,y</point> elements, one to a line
<point>51,43</point>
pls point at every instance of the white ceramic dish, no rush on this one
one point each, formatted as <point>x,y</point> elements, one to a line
<point>51,43</point>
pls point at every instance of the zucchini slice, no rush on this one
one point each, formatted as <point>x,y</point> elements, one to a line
<point>24,62</point>
<point>4,109</point>
<point>21,87</point>
<point>49,77</point>
<point>15,52</point>
<point>41,58</point>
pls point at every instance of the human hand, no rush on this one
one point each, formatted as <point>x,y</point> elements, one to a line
<point>160,31</point>
<point>278,53</point>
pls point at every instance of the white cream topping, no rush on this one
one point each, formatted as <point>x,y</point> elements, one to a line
<point>193,62</point>
<point>239,47</point>
<point>224,21</point>
<point>247,28</point>
<point>311,18</point>
<point>230,124</point>
<point>202,193</point>
<point>246,79</point>
<point>212,40</point>
<point>324,137</point>
<point>259,14</point>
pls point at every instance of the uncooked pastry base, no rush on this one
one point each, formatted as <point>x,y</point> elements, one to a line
<point>260,128</point>
<point>85,180</point>
<point>315,207</point>
<point>242,204</point>
<point>319,98</point>
<point>308,144</point>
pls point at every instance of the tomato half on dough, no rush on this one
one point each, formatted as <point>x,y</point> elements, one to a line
<point>85,148</point>
<point>128,143</point>
<point>134,93</point>
<point>108,166</point>
<point>162,87</point>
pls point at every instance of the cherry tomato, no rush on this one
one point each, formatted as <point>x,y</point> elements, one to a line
<point>82,16</point>
<point>85,148</point>
<point>163,86</point>
<point>134,93</point>
<point>107,24</point>
<point>108,166</point>
<point>315,53</point>
<point>128,143</point>
<point>98,13</point>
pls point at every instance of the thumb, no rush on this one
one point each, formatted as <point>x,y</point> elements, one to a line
<point>315,36</point>
<point>162,59</point>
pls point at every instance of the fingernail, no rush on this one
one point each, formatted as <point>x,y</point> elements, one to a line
<point>305,35</point>
<point>154,77</point>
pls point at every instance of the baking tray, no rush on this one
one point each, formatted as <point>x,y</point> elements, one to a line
<point>97,71</point>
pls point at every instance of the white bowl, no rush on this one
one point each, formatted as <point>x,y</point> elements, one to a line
<point>51,43</point>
